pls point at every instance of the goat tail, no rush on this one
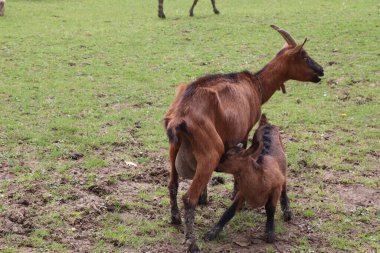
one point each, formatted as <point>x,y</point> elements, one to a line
<point>174,128</point>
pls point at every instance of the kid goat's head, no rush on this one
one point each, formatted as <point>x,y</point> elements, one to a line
<point>301,66</point>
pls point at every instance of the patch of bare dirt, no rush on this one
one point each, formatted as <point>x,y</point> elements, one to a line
<point>357,195</point>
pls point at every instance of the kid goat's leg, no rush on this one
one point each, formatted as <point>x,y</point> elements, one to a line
<point>285,207</point>
<point>192,8</point>
<point>226,217</point>
<point>173,185</point>
<point>270,209</point>
<point>214,7</point>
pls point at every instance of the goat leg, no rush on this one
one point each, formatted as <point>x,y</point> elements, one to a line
<point>161,9</point>
<point>173,186</point>
<point>270,210</point>
<point>203,198</point>
<point>226,217</point>
<point>214,7</point>
<point>285,207</point>
<point>192,8</point>
<point>189,226</point>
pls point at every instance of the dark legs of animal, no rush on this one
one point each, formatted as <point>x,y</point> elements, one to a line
<point>192,8</point>
<point>270,209</point>
<point>173,186</point>
<point>189,227</point>
<point>203,198</point>
<point>226,217</point>
<point>161,9</point>
<point>214,7</point>
<point>285,207</point>
<point>195,3</point>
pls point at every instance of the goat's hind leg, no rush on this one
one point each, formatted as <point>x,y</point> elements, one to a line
<point>285,205</point>
<point>173,186</point>
<point>270,209</point>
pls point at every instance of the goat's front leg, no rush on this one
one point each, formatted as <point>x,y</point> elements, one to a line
<point>226,217</point>
<point>214,7</point>
<point>192,8</point>
<point>173,185</point>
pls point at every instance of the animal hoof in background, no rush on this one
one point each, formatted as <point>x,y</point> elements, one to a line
<point>270,237</point>
<point>191,14</point>
<point>288,215</point>
<point>192,246</point>
<point>217,12</point>
<point>161,15</point>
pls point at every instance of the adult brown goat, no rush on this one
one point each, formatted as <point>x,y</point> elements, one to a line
<point>161,8</point>
<point>215,113</point>
<point>260,173</point>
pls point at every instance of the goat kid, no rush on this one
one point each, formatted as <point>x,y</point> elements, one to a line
<point>161,8</point>
<point>260,182</point>
<point>215,113</point>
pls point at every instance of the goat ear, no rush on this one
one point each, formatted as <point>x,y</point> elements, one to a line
<point>255,164</point>
<point>298,48</point>
<point>249,151</point>
<point>263,119</point>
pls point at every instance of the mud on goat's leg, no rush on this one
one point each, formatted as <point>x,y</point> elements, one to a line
<point>173,186</point>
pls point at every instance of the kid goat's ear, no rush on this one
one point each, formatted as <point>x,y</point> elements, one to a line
<point>263,119</point>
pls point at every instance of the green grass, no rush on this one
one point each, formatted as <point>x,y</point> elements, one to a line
<point>96,78</point>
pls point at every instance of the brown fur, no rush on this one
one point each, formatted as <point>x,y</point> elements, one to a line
<point>262,181</point>
<point>216,112</point>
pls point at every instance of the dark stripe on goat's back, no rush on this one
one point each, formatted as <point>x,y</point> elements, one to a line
<point>267,141</point>
<point>208,80</point>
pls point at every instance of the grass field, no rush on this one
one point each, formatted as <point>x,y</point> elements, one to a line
<point>84,86</point>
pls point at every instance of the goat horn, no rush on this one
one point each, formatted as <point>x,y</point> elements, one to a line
<point>288,38</point>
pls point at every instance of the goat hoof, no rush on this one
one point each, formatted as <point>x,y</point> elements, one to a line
<point>202,201</point>
<point>161,15</point>
<point>209,236</point>
<point>191,14</point>
<point>270,237</point>
<point>288,215</point>
<point>176,220</point>
<point>193,247</point>
<point>217,12</point>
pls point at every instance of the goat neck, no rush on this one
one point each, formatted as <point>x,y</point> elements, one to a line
<point>271,78</point>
